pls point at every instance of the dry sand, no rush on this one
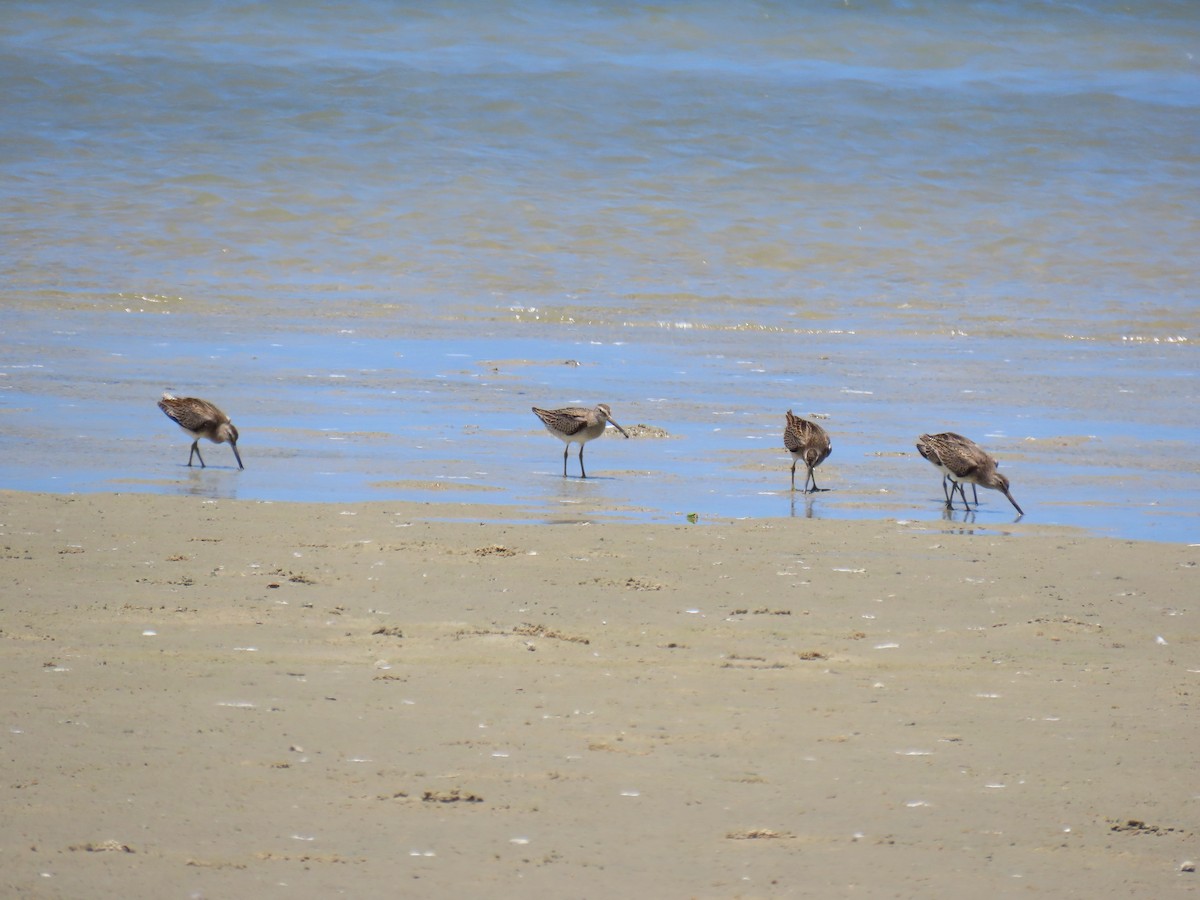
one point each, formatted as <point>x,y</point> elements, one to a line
<point>234,699</point>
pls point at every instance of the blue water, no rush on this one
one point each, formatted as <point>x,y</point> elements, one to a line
<point>376,233</point>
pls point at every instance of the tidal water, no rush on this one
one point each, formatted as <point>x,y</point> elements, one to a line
<point>376,233</point>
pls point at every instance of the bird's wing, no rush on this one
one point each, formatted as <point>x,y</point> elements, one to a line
<point>801,434</point>
<point>962,460</point>
<point>190,412</point>
<point>796,434</point>
<point>567,421</point>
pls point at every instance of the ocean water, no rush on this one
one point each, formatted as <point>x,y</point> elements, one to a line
<point>377,233</point>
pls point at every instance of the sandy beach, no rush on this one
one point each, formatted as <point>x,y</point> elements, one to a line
<point>232,699</point>
<point>399,655</point>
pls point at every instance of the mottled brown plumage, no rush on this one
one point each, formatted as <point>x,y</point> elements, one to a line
<point>808,443</point>
<point>962,461</point>
<point>577,425</point>
<point>929,452</point>
<point>201,419</point>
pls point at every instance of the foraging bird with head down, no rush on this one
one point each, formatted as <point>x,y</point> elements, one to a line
<point>577,425</point>
<point>807,442</point>
<point>962,461</point>
<point>201,419</point>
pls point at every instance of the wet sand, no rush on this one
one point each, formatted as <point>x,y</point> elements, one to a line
<point>374,413</point>
<point>228,698</point>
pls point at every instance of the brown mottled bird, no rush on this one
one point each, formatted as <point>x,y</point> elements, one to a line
<point>201,419</point>
<point>962,461</point>
<point>577,425</point>
<point>807,442</point>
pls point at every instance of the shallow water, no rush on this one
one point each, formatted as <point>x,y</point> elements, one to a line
<point>376,235</point>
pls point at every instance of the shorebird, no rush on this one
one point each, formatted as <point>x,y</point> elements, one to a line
<point>929,453</point>
<point>806,441</point>
<point>961,460</point>
<point>200,419</point>
<point>577,425</point>
<point>927,447</point>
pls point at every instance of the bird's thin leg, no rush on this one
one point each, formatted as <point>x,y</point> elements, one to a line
<point>813,475</point>
<point>566,447</point>
<point>975,491</point>
<point>949,495</point>
<point>582,473</point>
<point>962,492</point>
<point>793,474</point>
<point>196,450</point>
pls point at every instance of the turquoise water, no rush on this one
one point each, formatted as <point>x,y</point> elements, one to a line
<point>376,233</point>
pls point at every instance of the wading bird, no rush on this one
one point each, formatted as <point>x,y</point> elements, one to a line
<point>201,419</point>
<point>962,461</point>
<point>808,443</point>
<point>577,425</point>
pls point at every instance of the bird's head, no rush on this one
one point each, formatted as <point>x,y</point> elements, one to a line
<point>1000,483</point>
<point>604,414</point>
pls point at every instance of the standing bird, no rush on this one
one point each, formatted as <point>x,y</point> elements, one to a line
<point>577,425</point>
<point>806,441</point>
<point>927,446</point>
<point>928,451</point>
<point>961,460</point>
<point>200,419</point>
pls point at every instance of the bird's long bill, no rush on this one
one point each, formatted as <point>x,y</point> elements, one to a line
<point>238,456</point>
<point>1020,511</point>
<point>618,427</point>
